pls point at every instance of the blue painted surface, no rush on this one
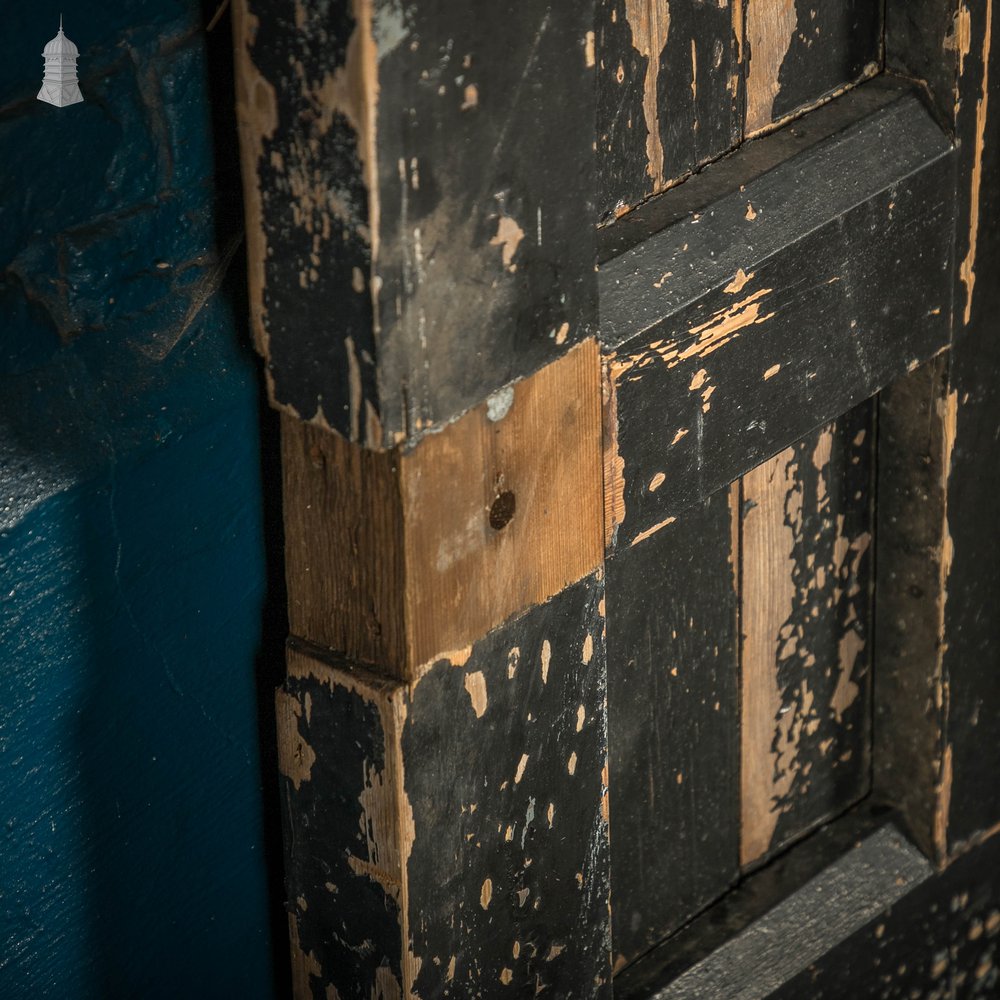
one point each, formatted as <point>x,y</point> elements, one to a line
<point>132,569</point>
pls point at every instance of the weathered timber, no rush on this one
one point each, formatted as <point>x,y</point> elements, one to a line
<point>673,723</point>
<point>799,52</point>
<point>778,922</point>
<point>926,40</point>
<point>940,940</point>
<point>740,328</point>
<point>669,93</point>
<point>448,838</point>
<point>971,549</point>
<point>396,557</point>
<point>707,941</point>
<point>916,437</point>
<point>806,609</point>
<point>754,158</point>
<point>875,921</point>
<point>407,254</point>
<point>940,568</point>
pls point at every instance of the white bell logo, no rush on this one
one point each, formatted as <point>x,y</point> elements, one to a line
<point>59,86</point>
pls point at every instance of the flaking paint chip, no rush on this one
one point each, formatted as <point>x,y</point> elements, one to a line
<point>523,763</point>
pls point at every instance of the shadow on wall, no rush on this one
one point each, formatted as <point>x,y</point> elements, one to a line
<point>142,612</point>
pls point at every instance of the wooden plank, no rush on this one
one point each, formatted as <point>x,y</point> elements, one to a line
<point>344,559</point>
<point>772,312</point>
<point>669,94</point>
<point>390,156</point>
<point>942,939</point>
<point>806,618</point>
<point>763,957</point>
<point>673,722</point>
<point>939,571</point>
<point>742,907</point>
<point>449,837</point>
<point>753,159</point>
<point>814,187</point>
<point>800,52</point>
<point>972,559</point>
<point>941,502</point>
<point>923,41</point>
<point>916,437</point>
<point>395,557</point>
<point>971,556</point>
<point>853,912</point>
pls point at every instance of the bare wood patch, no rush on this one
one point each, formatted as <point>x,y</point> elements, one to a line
<point>770,25</point>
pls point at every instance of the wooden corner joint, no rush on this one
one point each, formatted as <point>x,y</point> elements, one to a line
<point>394,558</point>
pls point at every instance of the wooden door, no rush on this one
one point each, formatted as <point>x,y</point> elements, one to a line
<point>640,446</point>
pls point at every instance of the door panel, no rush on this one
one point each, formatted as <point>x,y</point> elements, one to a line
<point>669,94</point>
<point>673,711</point>
<point>781,328</point>
<point>799,52</point>
<point>806,608</point>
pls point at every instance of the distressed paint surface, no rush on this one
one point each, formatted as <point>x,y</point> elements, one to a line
<point>386,154</point>
<point>695,394</point>
<point>801,52</point>
<point>306,79</point>
<point>967,268</point>
<point>441,847</point>
<point>673,723</point>
<point>941,940</point>
<point>806,616</point>
<point>669,93</point>
<point>912,696</point>
<point>944,481</point>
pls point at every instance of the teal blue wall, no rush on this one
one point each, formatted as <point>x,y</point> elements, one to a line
<point>132,559</point>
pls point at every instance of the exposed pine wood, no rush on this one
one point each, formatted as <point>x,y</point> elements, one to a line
<point>344,556</point>
<point>393,558</point>
<point>770,25</point>
<point>805,611</point>
<point>802,52</point>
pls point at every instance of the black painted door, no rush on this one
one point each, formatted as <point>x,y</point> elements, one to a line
<point>801,450</point>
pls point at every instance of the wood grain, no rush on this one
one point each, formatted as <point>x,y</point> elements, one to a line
<point>806,607</point>
<point>344,556</point>
<point>673,704</point>
<point>770,25</point>
<point>802,52</point>
<point>389,156</point>
<point>393,558</point>
<point>464,576</point>
<point>450,836</point>
<point>669,94</point>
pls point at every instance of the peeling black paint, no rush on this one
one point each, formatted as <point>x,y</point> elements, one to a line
<point>483,269</point>
<point>728,370</point>
<point>698,98</point>
<point>831,47</point>
<point>823,658</point>
<point>673,704</point>
<point>504,770</point>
